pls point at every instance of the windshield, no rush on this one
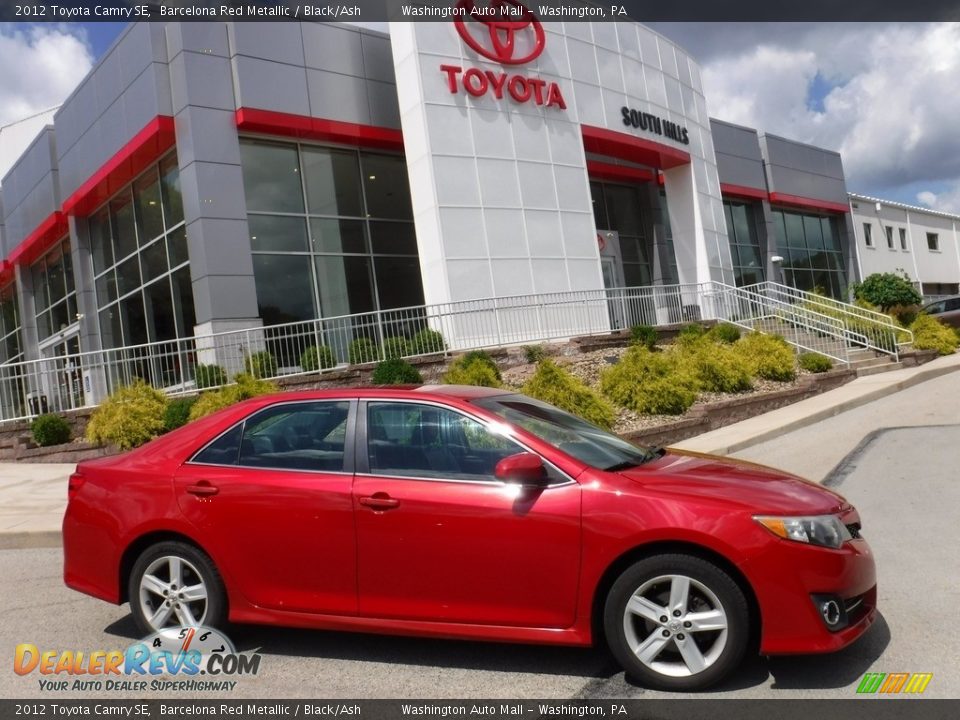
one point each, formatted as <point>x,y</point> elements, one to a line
<point>577,438</point>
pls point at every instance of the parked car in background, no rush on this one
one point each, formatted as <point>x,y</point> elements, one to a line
<point>468,512</point>
<point>946,310</point>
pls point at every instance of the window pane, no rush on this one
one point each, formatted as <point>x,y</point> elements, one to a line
<point>41,293</point>
<point>599,206</point>
<point>153,260</point>
<point>68,267</point>
<point>299,436</point>
<point>345,285</point>
<point>749,256</point>
<point>170,185</point>
<point>794,225</point>
<point>55,279</point>
<point>333,182</point>
<point>106,286</point>
<point>100,246</point>
<point>146,193</point>
<point>743,224</point>
<point>183,301</point>
<point>128,275</point>
<point>818,260</point>
<point>134,321</point>
<point>284,288</point>
<point>160,315</point>
<point>60,316</point>
<point>271,177</point>
<point>44,328</point>
<point>623,206</point>
<point>393,238</point>
<point>177,247</point>
<point>386,186</point>
<point>830,239</point>
<point>426,441</point>
<point>338,236</point>
<point>399,282</point>
<point>121,220</point>
<point>222,451</point>
<point>814,235</point>
<point>779,230</point>
<point>275,233</point>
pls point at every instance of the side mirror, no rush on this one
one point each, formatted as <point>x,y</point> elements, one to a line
<point>524,468</point>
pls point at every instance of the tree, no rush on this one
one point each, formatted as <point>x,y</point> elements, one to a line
<point>887,290</point>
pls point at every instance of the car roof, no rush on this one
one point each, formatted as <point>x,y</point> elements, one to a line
<point>412,392</point>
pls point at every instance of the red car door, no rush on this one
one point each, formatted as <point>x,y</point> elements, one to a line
<point>440,539</point>
<point>271,501</point>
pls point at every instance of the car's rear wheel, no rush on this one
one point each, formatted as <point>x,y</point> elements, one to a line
<point>174,584</point>
<point>676,622</point>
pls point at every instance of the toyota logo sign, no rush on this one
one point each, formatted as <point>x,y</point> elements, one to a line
<point>498,39</point>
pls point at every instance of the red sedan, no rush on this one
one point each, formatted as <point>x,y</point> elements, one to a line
<point>465,512</point>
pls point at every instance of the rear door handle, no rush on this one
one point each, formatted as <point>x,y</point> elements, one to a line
<point>203,489</point>
<point>379,501</point>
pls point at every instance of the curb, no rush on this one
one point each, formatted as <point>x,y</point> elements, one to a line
<point>920,376</point>
<point>29,540</point>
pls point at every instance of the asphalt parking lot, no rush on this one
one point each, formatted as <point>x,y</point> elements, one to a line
<point>903,480</point>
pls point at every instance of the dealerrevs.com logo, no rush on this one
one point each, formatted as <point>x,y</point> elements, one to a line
<point>183,653</point>
<point>508,33</point>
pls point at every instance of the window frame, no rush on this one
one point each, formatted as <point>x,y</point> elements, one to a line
<point>936,242</point>
<point>349,440</point>
<point>868,235</point>
<point>888,231</point>
<point>904,245</point>
<point>557,477</point>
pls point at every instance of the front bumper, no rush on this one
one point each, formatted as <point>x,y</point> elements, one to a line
<point>787,576</point>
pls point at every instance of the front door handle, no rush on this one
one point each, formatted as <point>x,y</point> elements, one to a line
<point>379,501</point>
<point>203,489</point>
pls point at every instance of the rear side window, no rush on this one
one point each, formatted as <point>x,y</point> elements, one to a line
<point>222,451</point>
<point>297,436</point>
<point>952,304</point>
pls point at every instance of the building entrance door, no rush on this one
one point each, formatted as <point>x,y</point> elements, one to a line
<point>611,267</point>
<point>62,373</point>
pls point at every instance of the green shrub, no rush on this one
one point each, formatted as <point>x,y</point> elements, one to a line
<point>905,314</point>
<point>644,336</point>
<point>207,376</point>
<point>483,356</point>
<point>725,333</point>
<point>50,430</point>
<point>317,358</point>
<point>396,372</point>
<point>931,334</point>
<point>396,347</point>
<point>815,362</point>
<point>131,416</point>
<point>651,383</point>
<point>362,350</point>
<point>475,368</point>
<point>427,341</point>
<point>715,367</point>
<point>886,290</point>
<point>177,413</point>
<point>767,356</point>
<point>261,364</point>
<point>556,386</point>
<point>534,353</point>
<point>244,387</point>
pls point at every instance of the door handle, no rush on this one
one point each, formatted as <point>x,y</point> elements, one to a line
<point>203,489</point>
<point>379,501</point>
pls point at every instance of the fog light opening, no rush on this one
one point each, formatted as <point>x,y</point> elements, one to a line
<point>830,610</point>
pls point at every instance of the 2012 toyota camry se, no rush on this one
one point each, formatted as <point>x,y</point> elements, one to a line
<point>466,512</point>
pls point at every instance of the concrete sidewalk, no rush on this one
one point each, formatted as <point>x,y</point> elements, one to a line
<point>33,497</point>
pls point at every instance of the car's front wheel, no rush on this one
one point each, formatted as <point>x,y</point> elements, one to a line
<point>676,622</point>
<point>175,584</point>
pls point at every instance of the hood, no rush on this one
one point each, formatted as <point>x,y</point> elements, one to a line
<point>749,486</point>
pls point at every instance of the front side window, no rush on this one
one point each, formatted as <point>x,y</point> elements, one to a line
<point>425,441</point>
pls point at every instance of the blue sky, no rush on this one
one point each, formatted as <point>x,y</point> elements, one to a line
<point>873,92</point>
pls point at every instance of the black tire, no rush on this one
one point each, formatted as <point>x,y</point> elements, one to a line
<point>721,651</point>
<point>196,566</point>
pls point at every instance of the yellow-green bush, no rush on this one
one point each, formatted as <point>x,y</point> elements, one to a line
<point>131,416</point>
<point>473,369</point>
<point>556,386</point>
<point>715,367</point>
<point>815,362</point>
<point>767,356</point>
<point>931,334</point>
<point>245,387</point>
<point>651,383</point>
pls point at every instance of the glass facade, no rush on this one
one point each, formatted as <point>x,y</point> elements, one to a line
<point>331,231</point>
<point>812,257</point>
<point>744,243</point>
<point>618,207</point>
<point>54,291</point>
<point>11,386</point>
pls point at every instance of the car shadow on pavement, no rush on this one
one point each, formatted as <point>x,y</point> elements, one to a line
<point>588,663</point>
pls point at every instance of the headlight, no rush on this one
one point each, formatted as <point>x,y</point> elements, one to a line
<point>825,530</point>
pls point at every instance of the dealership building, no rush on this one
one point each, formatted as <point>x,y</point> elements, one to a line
<point>213,177</point>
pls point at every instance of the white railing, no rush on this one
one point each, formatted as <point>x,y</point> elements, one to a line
<point>28,388</point>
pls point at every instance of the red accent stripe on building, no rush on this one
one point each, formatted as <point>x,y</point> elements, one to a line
<point>144,148</point>
<point>629,147</point>
<point>34,245</point>
<point>311,128</point>
<point>742,191</point>
<point>619,173</point>
<point>809,203</point>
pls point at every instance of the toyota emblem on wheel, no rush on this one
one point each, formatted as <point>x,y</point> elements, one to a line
<point>509,19</point>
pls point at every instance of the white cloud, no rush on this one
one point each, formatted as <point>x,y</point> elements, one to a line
<point>42,64</point>
<point>892,110</point>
